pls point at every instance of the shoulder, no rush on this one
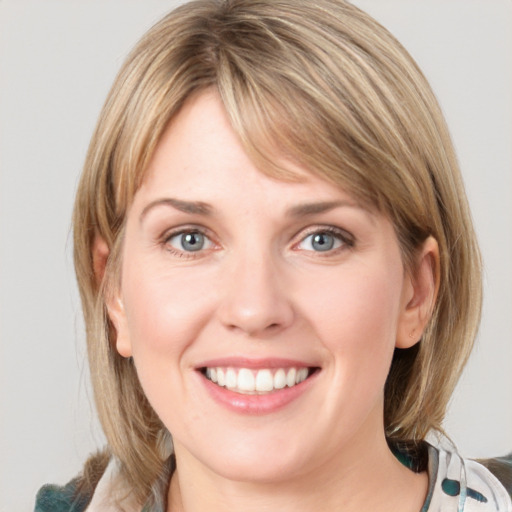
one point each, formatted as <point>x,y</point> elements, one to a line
<point>501,468</point>
<point>76,495</point>
<point>66,498</point>
<point>463,484</point>
<point>101,487</point>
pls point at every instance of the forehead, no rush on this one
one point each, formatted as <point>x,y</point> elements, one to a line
<point>200,158</point>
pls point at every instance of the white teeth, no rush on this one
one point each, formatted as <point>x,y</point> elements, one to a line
<point>231,378</point>
<point>302,375</point>
<point>280,379</point>
<point>290,377</point>
<point>246,381</point>
<point>264,381</point>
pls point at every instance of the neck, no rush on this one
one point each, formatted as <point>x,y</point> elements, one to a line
<point>361,477</point>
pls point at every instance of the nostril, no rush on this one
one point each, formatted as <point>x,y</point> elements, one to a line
<point>271,327</point>
<point>255,314</point>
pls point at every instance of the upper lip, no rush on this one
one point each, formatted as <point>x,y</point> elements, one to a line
<point>254,363</point>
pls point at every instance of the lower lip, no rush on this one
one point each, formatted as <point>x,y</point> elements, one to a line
<point>257,404</point>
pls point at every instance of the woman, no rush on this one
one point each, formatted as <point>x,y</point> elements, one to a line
<point>278,271</point>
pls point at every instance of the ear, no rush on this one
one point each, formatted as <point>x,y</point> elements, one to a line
<point>419,294</point>
<point>117,315</point>
<point>100,252</point>
<point>115,307</point>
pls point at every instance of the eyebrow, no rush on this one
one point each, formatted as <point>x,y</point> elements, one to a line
<point>306,209</point>
<point>201,208</point>
<point>193,207</point>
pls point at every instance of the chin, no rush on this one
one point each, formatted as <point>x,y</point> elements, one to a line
<point>259,470</point>
<point>253,460</point>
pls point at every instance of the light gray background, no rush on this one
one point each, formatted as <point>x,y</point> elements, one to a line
<point>57,61</point>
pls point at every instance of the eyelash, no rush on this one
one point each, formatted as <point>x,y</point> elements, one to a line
<point>168,236</point>
<point>345,239</point>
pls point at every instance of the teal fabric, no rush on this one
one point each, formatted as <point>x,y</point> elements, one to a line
<point>53,498</point>
<point>452,488</point>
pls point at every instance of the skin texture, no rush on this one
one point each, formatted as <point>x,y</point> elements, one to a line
<point>258,289</point>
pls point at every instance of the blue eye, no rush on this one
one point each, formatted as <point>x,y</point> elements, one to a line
<point>322,241</point>
<point>189,241</point>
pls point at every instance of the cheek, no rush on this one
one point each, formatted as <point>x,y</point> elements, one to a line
<point>165,313</point>
<point>165,308</point>
<point>357,326</point>
<point>356,317</point>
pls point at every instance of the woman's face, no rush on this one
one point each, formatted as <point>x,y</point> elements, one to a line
<point>289,295</point>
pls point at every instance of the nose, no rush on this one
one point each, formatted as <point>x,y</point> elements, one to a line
<point>256,299</point>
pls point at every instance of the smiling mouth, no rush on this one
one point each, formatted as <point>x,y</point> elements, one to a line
<point>257,382</point>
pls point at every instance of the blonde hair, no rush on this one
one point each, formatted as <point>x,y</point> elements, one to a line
<point>325,85</point>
